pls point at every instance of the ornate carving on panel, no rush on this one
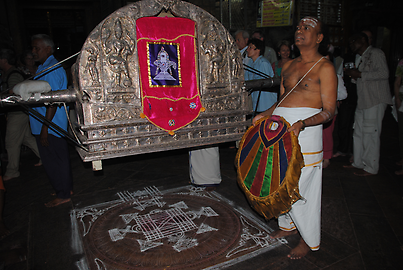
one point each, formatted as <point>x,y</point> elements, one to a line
<point>95,93</point>
<point>92,59</point>
<point>166,4</point>
<point>109,113</point>
<point>231,102</point>
<point>214,47</point>
<point>118,45</point>
<point>104,113</point>
<point>154,7</point>
<point>184,10</point>
<point>134,10</point>
<point>107,76</point>
<point>121,98</point>
<point>124,114</point>
<point>236,62</point>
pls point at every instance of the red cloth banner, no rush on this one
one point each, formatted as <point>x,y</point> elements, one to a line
<point>168,71</point>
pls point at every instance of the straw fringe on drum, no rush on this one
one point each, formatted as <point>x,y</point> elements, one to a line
<point>269,163</point>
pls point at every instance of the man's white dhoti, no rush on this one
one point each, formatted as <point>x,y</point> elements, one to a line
<point>305,214</point>
<point>204,166</point>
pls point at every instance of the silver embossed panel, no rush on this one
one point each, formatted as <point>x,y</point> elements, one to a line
<point>106,79</point>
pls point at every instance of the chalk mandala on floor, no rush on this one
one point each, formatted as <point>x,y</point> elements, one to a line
<point>184,228</point>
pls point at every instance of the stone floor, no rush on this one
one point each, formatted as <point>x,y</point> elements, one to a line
<point>362,217</point>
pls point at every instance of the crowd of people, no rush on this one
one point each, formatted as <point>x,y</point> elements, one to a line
<point>357,122</point>
<point>316,85</point>
<point>345,97</point>
<point>49,146</point>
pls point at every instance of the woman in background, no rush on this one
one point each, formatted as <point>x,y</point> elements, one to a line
<point>329,126</point>
<point>284,52</point>
<point>28,66</point>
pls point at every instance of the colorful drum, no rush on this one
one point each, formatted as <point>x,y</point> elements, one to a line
<point>269,163</point>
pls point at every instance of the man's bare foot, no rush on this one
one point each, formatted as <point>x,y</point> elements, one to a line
<point>56,202</point>
<point>339,154</point>
<point>7,178</point>
<point>299,251</point>
<point>38,164</point>
<point>326,162</point>
<point>281,233</point>
<point>54,193</point>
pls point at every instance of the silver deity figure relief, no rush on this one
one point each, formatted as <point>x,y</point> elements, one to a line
<point>92,65</point>
<point>235,61</point>
<point>107,81</point>
<point>214,47</point>
<point>117,48</point>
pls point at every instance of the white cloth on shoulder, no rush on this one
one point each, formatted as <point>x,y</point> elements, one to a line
<point>26,88</point>
<point>305,214</point>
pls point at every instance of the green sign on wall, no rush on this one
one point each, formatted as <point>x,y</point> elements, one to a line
<point>275,13</point>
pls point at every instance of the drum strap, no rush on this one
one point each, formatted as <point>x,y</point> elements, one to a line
<point>300,80</point>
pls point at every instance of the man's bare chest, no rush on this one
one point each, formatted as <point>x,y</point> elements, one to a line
<point>300,80</point>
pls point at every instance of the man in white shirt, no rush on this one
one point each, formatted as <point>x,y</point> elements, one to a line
<point>374,95</point>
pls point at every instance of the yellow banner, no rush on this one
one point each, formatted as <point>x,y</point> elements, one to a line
<point>275,13</point>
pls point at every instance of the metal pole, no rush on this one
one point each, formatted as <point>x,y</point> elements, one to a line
<point>66,96</point>
<point>55,127</point>
<point>265,83</point>
<point>257,104</point>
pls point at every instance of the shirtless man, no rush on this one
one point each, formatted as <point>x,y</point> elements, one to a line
<point>308,99</point>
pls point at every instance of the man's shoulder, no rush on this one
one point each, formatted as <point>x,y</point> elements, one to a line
<point>14,73</point>
<point>326,68</point>
<point>52,61</point>
<point>375,51</point>
<point>327,62</point>
<point>263,60</point>
<point>288,67</point>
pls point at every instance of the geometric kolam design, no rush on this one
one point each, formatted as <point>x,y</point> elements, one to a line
<point>184,228</point>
